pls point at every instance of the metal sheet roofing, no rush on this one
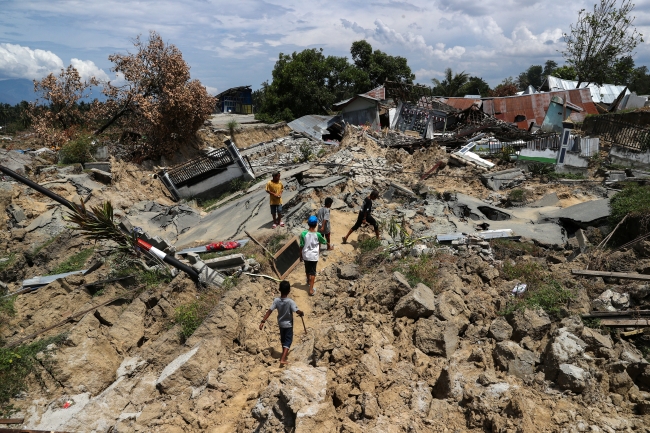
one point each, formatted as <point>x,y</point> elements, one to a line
<point>606,93</point>
<point>313,125</point>
<point>461,103</point>
<point>533,107</point>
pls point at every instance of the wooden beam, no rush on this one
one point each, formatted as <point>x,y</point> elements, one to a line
<point>623,275</point>
<point>11,420</point>
<point>611,314</point>
<point>625,322</point>
<point>631,333</point>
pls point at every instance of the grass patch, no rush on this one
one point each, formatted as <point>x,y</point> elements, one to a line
<point>190,316</point>
<point>633,201</point>
<point>557,176</point>
<point>422,270</point>
<point>74,262</point>
<point>5,264</point>
<point>44,245</point>
<point>16,364</point>
<point>276,241</point>
<point>542,290</point>
<point>509,249</point>
<point>369,244</point>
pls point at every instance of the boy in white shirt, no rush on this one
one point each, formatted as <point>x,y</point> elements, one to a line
<point>310,241</point>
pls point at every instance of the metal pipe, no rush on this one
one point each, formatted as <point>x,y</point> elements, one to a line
<point>46,192</point>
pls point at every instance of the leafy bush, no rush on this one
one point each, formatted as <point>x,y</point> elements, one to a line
<point>505,153</point>
<point>78,150</point>
<point>16,364</point>
<point>540,169</point>
<point>517,195</point>
<point>306,152</point>
<point>276,241</point>
<point>74,262</point>
<point>542,290</point>
<point>232,126</point>
<point>574,176</point>
<point>369,244</point>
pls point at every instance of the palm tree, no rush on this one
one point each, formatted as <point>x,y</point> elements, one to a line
<point>452,83</point>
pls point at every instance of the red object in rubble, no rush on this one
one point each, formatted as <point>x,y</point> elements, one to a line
<point>220,246</point>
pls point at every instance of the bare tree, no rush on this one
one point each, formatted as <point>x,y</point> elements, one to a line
<point>599,39</point>
<point>158,106</point>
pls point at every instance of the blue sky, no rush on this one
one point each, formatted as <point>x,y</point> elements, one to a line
<point>237,42</point>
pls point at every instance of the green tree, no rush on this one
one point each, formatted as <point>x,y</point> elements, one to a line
<point>531,77</point>
<point>452,83</point>
<point>549,67</point>
<point>565,72</point>
<point>380,66</point>
<point>506,88</point>
<point>599,39</point>
<point>640,80</point>
<point>307,82</point>
<point>475,86</point>
<point>622,70</point>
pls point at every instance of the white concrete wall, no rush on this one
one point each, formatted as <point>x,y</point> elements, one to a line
<point>630,158</point>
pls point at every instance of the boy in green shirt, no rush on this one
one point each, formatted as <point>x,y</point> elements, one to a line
<point>310,241</point>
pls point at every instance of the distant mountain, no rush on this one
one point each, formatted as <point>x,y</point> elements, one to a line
<point>13,91</point>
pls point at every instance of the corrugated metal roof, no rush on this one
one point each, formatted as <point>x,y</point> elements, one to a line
<point>534,106</point>
<point>342,104</point>
<point>461,103</point>
<point>378,93</point>
<point>606,93</point>
<point>313,125</point>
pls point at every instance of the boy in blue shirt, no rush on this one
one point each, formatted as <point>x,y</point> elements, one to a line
<point>286,307</point>
<point>310,241</point>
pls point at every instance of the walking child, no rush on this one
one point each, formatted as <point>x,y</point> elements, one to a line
<point>324,227</point>
<point>286,307</point>
<point>275,188</point>
<point>365,215</point>
<point>310,241</point>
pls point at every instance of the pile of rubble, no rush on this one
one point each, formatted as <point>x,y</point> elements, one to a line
<point>383,351</point>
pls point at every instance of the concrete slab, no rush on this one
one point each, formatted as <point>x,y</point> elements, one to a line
<point>228,261</point>
<point>250,212</point>
<point>283,175</point>
<point>582,214</point>
<point>322,183</point>
<point>503,179</point>
<point>548,200</point>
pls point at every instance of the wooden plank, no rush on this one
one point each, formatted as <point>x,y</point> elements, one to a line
<point>287,258</point>
<point>631,333</point>
<point>623,275</point>
<point>12,420</point>
<point>623,313</point>
<point>624,322</point>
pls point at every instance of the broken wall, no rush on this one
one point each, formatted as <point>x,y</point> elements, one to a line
<point>630,158</point>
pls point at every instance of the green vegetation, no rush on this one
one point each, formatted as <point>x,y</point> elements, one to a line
<point>306,152</point>
<point>276,241</point>
<point>369,244</point>
<point>232,126</point>
<point>7,263</point>
<point>190,316</point>
<point>540,169</point>
<point>78,150</point>
<point>542,290</point>
<point>16,364</point>
<point>633,201</point>
<point>518,195</point>
<point>508,249</point>
<point>309,82</point>
<point>423,270</point>
<point>74,262</point>
<point>574,176</point>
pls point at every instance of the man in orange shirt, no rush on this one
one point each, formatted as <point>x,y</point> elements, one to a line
<point>275,188</point>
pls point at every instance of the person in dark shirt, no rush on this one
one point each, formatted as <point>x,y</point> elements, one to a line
<point>365,216</point>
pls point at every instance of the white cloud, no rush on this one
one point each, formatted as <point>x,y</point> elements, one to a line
<point>87,69</point>
<point>17,61</point>
<point>422,75</point>
<point>212,90</point>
